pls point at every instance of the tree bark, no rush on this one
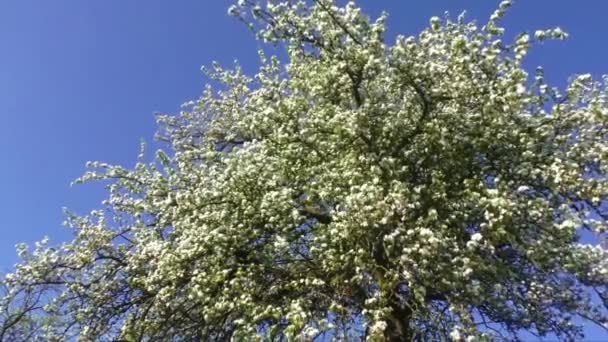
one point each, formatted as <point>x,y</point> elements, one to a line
<point>398,327</point>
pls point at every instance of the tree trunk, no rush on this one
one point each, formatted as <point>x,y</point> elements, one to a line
<point>398,327</point>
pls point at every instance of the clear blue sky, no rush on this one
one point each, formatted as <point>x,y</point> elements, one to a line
<point>80,80</point>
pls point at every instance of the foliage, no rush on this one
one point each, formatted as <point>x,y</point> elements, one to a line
<point>424,189</point>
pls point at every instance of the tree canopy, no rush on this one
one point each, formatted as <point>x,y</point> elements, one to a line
<point>426,188</point>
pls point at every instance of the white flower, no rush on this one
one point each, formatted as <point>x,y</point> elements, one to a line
<point>426,232</point>
<point>233,10</point>
<point>378,327</point>
<point>476,237</point>
<point>505,4</point>
<point>523,39</point>
<point>310,332</point>
<point>558,33</point>
<point>540,35</point>
<point>455,334</point>
<point>280,242</point>
<point>435,23</point>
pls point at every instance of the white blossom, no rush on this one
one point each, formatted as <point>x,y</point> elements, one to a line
<point>455,334</point>
<point>477,237</point>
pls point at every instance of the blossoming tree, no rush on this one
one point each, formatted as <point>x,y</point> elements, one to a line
<point>427,188</point>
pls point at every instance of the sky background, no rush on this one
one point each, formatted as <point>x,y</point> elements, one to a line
<point>81,80</point>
